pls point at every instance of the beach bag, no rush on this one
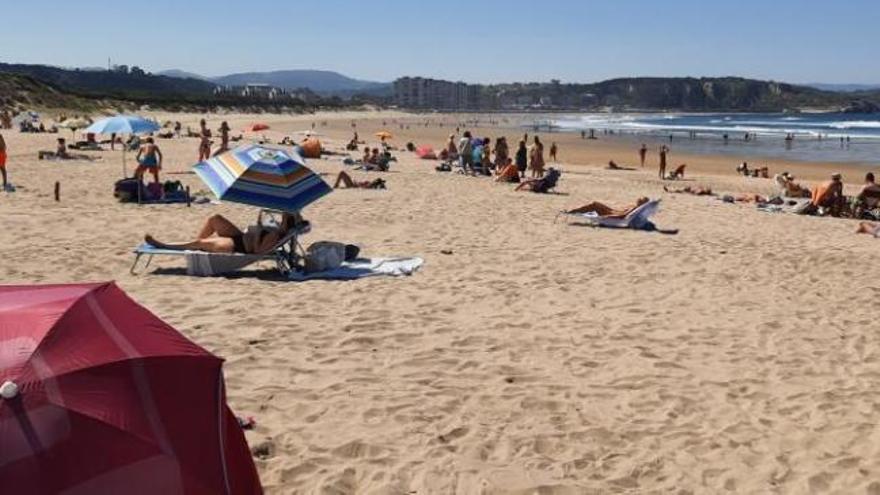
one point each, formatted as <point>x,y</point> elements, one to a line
<point>324,255</point>
<point>126,190</point>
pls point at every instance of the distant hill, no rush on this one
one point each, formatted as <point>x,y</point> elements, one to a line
<point>182,74</point>
<point>844,88</point>
<point>678,94</point>
<point>103,83</point>
<point>26,93</point>
<point>323,82</point>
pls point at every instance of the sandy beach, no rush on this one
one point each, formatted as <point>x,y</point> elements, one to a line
<point>535,357</point>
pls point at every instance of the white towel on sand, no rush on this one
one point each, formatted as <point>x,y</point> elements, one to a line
<point>360,268</point>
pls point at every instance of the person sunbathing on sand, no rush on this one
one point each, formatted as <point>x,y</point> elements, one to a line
<point>696,190</point>
<point>344,179</point>
<point>869,228</point>
<point>219,235</point>
<point>606,211</point>
<point>788,188</point>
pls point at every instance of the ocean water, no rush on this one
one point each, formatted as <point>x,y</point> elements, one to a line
<point>820,137</point>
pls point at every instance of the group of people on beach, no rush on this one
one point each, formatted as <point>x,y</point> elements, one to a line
<point>478,156</point>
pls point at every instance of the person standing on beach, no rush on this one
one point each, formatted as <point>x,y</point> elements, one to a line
<point>466,152</point>
<point>149,159</point>
<point>536,158</point>
<point>204,141</point>
<point>643,153</point>
<point>522,159</point>
<point>663,151</point>
<point>224,138</point>
<point>553,151</point>
<point>3,156</point>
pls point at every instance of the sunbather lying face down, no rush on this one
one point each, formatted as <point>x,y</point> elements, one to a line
<point>869,228</point>
<point>219,235</point>
<point>696,190</point>
<point>345,180</point>
<point>604,210</point>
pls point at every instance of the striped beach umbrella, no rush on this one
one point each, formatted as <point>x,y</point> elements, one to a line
<point>264,177</point>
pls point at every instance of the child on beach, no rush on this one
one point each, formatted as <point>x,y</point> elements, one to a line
<point>643,153</point>
<point>553,150</point>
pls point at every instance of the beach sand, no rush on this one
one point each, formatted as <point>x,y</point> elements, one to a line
<point>538,357</point>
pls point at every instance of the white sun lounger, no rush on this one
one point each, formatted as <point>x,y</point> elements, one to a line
<point>636,219</point>
<point>286,254</point>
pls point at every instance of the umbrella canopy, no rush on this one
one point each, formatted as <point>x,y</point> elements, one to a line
<point>74,124</point>
<point>29,116</point>
<point>123,124</point>
<point>384,135</point>
<point>99,396</point>
<point>426,153</point>
<point>264,177</point>
<point>258,127</point>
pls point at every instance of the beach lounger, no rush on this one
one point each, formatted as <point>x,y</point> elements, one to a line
<point>287,255</point>
<point>638,219</point>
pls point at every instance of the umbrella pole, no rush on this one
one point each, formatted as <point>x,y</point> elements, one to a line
<point>124,176</point>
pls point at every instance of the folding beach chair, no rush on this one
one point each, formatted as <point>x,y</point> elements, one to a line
<point>287,254</point>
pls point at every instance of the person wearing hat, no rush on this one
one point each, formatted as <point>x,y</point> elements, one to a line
<point>788,188</point>
<point>828,196</point>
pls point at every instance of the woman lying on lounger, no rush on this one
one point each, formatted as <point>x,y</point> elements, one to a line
<point>604,210</point>
<point>219,235</point>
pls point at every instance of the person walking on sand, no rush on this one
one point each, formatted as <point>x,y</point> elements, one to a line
<point>536,159</point>
<point>663,151</point>
<point>3,157</point>
<point>224,138</point>
<point>643,153</point>
<point>204,141</point>
<point>553,150</point>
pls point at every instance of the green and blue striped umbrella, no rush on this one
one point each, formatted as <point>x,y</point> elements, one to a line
<point>263,177</point>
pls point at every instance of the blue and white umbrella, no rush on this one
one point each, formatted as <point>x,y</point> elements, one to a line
<point>263,177</point>
<point>123,124</point>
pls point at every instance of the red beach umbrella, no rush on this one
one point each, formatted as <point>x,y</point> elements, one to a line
<point>258,127</point>
<point>98,396</point>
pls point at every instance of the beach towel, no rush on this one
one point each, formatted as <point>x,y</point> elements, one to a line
<point>361,268</point>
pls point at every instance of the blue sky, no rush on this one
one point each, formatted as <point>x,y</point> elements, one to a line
<point>476,41</point>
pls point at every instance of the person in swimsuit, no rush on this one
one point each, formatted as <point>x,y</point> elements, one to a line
<point>224,138</point>
<point>606,211</point>
<point>149,158</point>
<point>219,235</point>
<point>3,156</point>
<point>643,153</point>
<point>869,228</point>
<point>536,159</point>
<point>343,179</point>
<point>204,141</point>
